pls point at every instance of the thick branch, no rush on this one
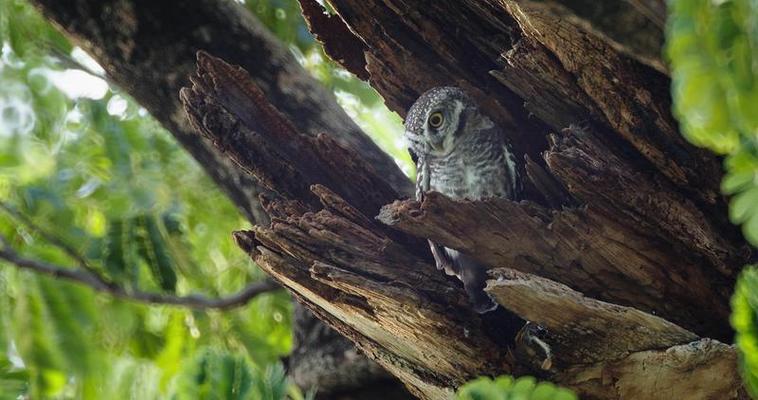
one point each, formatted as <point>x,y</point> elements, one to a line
<point>148,48</point>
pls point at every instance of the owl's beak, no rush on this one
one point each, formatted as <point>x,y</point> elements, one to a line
<point>438,143</point>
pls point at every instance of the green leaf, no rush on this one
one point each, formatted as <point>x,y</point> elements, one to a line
<point>153,249</point>
<point>506,388</point>
<point>119,254</point>
<point>745,323</point>
<point>217,375</point>
<point>737,181</point>
<point>14,381</point>
<point>744,205</point>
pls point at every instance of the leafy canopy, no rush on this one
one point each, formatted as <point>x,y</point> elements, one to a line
<point>713,50</point>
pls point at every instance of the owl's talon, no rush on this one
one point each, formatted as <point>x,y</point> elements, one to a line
<point>529,336</point>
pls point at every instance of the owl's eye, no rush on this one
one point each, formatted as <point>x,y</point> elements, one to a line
<point>436,119</point>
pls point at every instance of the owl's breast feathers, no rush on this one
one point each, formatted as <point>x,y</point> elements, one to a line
<point>475,169</point>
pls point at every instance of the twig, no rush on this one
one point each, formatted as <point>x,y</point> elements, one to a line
<point>95,282</point>
<point>53,239</point>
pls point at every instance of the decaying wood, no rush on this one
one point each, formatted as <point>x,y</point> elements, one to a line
<point>702,370</point>
<point>622,250</point>
<point>586,249</point>
<point>377,286</point>
<point>603,350</point>
<point>339,43</point>
<point>582,330</point>
<point>632,27</point>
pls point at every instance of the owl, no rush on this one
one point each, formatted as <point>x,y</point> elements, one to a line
<point>462,154</point>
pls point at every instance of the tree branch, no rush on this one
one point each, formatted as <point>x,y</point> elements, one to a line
<point>94,281</point>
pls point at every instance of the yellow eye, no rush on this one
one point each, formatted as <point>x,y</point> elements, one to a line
<point>436,119</point>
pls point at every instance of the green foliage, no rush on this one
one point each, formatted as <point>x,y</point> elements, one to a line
<point>713,50</point>
<point>745,323</point>
<point>14,380</point>
<point>95,170</point>
<point>507,388</point>
<point>216,376</point>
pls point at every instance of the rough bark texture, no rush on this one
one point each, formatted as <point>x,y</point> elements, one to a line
<point>625,299</point>
<point>148,49</point>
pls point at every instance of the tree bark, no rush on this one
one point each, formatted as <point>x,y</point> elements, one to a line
<point>622,250</point>
<point>148,49</point>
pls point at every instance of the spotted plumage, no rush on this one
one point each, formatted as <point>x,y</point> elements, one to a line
<point>461,153</point>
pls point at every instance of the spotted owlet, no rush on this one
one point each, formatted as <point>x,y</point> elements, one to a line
<point>461,154</point>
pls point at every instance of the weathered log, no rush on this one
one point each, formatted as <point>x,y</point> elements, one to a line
<point>581,329</point>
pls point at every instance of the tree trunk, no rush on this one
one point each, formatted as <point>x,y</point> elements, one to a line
<point>621,250</point>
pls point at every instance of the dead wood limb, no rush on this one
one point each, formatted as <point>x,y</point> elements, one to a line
<point>582,248</point>
<point>377,287</point>
<point>581,329</point>
<point>701,370</point>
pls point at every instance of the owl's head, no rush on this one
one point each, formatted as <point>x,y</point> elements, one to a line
<point>440,119</point>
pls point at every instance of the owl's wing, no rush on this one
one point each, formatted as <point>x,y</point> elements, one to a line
<point>441,259</point>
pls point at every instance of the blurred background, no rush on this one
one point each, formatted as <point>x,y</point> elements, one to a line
<point>83,164</point>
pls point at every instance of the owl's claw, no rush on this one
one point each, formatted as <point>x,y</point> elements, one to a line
<point>529,336</point>
<point>482,302</point>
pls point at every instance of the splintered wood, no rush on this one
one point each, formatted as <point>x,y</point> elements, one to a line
<point>621,250</point>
